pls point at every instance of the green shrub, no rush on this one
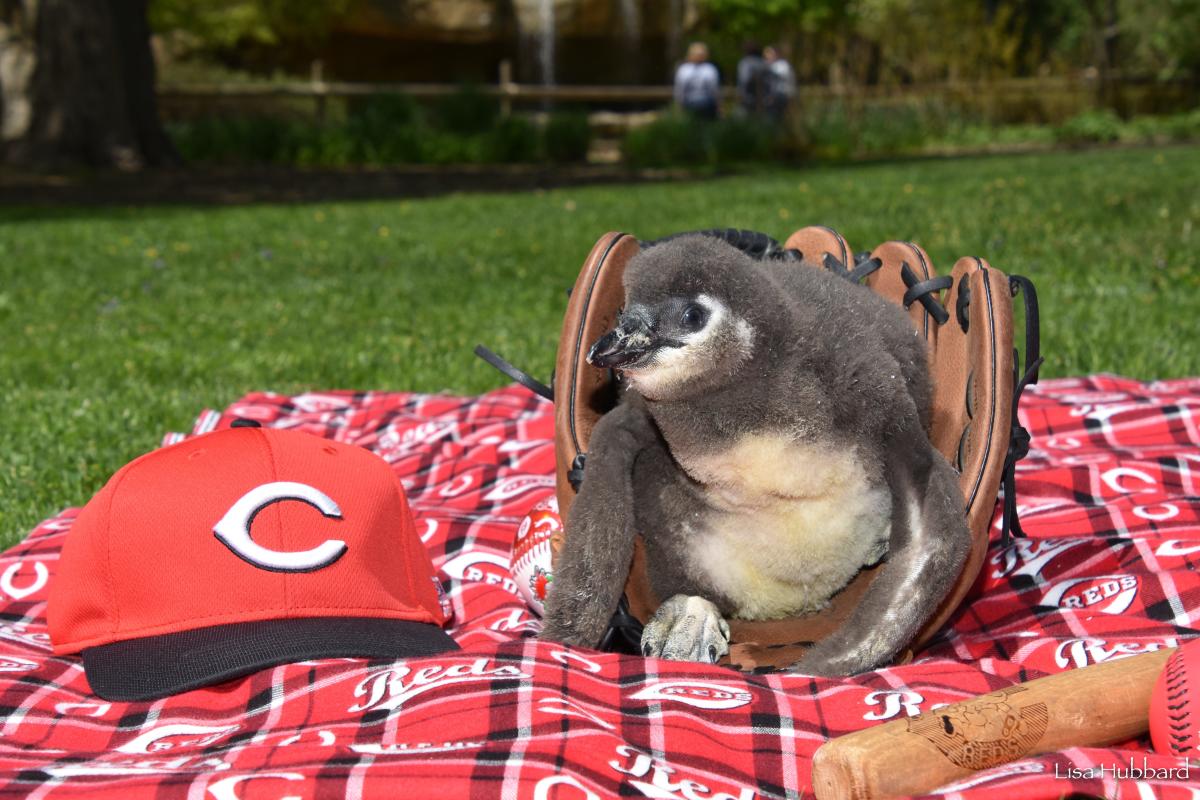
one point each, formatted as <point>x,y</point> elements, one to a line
<point>829,133</point>
<point>671,140</point>
<point>393,129</point>
<point>511,140</point>
<point>1159,129</point>
<point>1143,129</point>
<point>738,140</point>
<point>983,136</point>
<point>1096,126</point>
<point>325,147</point>
<point>678,140</point>
<point>398,145</point>
<point>384,111</point>
<point>838,132</point>
<point>443,147</point>
<point>1185,127</point>
<point>219,139</point>
<point>385,129</point>
<point>567,136</point>
<point>891,130</point>
<point>1178,127</point>
<point>468,110</point>
<point>401,146</point>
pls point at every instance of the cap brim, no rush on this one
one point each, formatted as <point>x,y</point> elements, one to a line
<point>157,666</point>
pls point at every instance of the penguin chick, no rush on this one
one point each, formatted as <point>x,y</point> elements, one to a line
<point>770,444</point>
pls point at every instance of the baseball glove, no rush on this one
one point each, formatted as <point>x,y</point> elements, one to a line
<point>966,319</point>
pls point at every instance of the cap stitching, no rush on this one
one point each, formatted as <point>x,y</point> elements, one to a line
<point>419,615</point>
<point>402,497</point>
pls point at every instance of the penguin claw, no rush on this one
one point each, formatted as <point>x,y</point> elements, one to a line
<point>686,628</point>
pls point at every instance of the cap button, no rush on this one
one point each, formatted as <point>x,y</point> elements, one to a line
<point>245,423</point>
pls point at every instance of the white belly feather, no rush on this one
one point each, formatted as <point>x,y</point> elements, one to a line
<point>790,524</point>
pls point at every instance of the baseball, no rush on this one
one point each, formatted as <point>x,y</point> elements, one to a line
<point>531,564</point>
<point>1174,706</point>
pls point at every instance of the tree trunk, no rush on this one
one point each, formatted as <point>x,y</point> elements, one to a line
<point>17,59</point>
<point>88,94</point>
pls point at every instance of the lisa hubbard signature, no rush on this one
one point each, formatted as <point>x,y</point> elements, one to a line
<point>1131,772</point>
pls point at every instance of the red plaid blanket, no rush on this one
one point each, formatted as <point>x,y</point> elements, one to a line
<point>1108,496</point>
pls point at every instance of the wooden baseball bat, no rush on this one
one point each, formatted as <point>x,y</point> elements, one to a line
<point>1088,707</point>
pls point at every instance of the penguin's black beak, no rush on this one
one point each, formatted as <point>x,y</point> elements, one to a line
<point>628,343</point>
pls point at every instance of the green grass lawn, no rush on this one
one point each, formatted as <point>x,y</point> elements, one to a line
<point>118,325</point>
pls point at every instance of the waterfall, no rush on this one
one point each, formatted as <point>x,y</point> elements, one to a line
<point>631,38</point>
<point>631,21</point>
<point>546,34</point>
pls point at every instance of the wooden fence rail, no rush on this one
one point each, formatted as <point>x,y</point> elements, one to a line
<point>513,91</point>
<point>993,99</point>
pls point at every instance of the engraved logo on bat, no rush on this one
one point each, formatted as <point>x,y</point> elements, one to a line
<point>984,732</point>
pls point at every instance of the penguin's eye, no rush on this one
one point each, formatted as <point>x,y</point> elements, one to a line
<point>693,318</point>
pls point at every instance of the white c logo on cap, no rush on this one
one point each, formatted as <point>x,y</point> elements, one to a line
<point>234,528</point>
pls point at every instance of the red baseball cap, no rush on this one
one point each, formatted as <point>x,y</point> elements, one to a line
<point>239,550</point>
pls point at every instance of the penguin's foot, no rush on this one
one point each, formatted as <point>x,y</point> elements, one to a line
<point>834,659</point>
<point>686,628</point>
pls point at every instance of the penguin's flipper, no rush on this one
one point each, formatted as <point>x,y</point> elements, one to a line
<point>597,550</point>
<point>926,550</point>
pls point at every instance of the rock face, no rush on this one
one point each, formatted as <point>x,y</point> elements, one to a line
<point>436,20</point>
<point>594,41</point>
<point>481,20</point>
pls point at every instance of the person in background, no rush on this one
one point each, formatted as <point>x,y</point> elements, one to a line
<point>752,80</point>
<point>697,84</point>
<point>781,83</point>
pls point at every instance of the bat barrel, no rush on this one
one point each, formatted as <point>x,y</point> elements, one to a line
<point>1089,707</point>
